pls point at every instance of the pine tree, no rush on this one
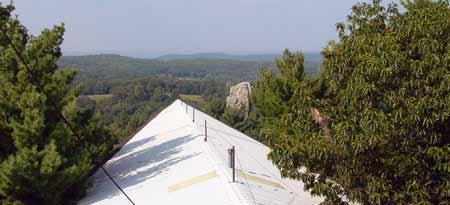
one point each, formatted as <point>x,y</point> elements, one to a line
<point>215,106</point>
<point>374,126</point>
<point>274,94</point>
<point>48,146</point>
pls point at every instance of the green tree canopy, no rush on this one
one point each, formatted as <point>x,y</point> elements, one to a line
<point>374,127</point>
<point>47,146</point>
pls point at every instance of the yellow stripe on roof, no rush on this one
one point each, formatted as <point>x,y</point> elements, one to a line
<point>261,180</point>
<point>192,181</point>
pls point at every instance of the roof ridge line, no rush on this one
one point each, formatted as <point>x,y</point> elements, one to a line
<point>235,194</point>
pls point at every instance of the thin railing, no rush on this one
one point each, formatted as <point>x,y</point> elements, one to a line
<point>228,142</point>
<point>117,185</point>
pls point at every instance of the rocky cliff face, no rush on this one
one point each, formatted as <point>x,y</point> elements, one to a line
<point>239,97</point>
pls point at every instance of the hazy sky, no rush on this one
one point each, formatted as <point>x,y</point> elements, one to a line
<point>152,27</point>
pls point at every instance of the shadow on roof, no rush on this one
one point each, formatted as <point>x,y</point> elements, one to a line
<point>139,166</point>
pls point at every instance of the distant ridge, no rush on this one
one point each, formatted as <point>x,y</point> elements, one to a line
<point>262,57</point>
<point>225,56</point>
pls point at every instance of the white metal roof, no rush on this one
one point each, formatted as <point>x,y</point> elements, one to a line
<point>168,162</point>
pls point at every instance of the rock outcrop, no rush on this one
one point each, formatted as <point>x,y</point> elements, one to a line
<point>239,97</point>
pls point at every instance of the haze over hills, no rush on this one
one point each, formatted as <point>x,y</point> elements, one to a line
<point>309,56</point>
<point>244,56</point>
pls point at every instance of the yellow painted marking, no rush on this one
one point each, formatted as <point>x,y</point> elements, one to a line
<point>190,182</point>
<point>261,180</point>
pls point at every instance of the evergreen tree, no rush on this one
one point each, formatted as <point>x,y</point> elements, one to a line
<point>48,146</point>
<point>374,126</point>
<point>215,106</point>
<point>274,94</point>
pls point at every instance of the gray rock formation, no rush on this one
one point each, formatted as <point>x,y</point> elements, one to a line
<point>239,97</point>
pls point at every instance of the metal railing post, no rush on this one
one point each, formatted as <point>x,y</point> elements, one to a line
<point>232,156</point>
<point>234,164</point>
<point>206,132</point>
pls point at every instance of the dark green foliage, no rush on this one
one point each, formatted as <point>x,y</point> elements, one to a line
<point>48,147</point>
<point>274,94</point>
<point>245,122</point>
<point>237,118</point>
<point>215,106</point>
<point>374,126</point>
<point>233,117</point>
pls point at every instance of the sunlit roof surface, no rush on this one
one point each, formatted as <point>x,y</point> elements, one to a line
<point>168,162</point>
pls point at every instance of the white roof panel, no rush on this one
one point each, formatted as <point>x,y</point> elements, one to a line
<point>168,162</point>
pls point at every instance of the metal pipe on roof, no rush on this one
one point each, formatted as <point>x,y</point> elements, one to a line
<point>206,132</point>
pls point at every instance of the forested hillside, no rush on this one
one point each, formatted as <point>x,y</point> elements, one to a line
<point>125,105</point>
<point>125,92</point>
<point>108,67</point>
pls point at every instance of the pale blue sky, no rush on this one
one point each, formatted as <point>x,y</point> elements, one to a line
<point>148,28</point>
